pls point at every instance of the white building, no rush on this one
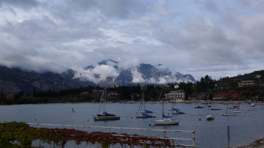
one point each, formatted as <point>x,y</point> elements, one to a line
<point>174,96</point>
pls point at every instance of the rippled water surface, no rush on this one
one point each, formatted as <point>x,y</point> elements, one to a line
<point>244,128</point>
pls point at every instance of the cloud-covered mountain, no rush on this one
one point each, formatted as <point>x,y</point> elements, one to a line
<point>104,73</point>
<point>109,72</point>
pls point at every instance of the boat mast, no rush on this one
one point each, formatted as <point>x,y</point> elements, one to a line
<point>162,105</point>
<point>105,99</point>
<point>143,99</point>
<point>102,98</point>
<point>227,108</point>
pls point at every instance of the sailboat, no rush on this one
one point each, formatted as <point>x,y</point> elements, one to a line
<point>228,114</point>
<point>238,107</point>
<point>163,121</point>
<point>250,109</point>
<point>105,116</point>
<point>142,112</point>
<point>177,111</point>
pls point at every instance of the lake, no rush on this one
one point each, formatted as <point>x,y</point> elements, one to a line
<point>244,128</point>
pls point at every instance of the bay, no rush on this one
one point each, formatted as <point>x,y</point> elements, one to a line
<point>244,128</point>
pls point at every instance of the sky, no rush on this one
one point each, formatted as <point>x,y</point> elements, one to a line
<point>197,37</point>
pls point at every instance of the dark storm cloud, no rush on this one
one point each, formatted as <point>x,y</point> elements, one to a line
<point>183,35</point>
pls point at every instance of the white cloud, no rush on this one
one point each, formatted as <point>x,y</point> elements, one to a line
<point>103,71</point>
<point>137,77</point>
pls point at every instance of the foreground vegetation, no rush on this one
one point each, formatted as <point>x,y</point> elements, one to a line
<point>24,134</point>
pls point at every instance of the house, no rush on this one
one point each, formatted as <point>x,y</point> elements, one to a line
<point>84,93</point>
<point>9,96</point>
<point>246,83</point>
<point>112,95</point>
<point>97,93</point>
<point>204,96</point>
<point>174,96</point>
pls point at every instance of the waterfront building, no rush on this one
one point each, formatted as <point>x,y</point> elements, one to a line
<point>9,96</point>
<point>230,95</point>
<point>174,96</point>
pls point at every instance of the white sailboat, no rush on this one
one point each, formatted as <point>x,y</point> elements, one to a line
<point>142,112</point>
<point>227,113</point>
<point>163,121</point>
<point>105,116</point>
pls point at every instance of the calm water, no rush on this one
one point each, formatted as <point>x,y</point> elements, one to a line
<point>244,128</point>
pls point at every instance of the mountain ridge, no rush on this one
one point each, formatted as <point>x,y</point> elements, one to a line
<point>104,73</point>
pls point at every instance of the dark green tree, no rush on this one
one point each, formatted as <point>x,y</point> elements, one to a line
<point>34,92</point>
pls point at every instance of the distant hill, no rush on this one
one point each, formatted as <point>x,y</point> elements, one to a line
<point>14,79</point>
<point>104,73</point>
<point>248,76</point>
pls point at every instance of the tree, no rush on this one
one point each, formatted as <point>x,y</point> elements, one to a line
<point>206,83</point>
<point>2,94</point>
<point>34,92</point>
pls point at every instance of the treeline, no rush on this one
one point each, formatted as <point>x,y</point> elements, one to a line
<point>127,93</point>
<point>85,94</point>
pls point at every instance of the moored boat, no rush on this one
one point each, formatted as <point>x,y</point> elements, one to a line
<point>216,109</point>
<point>142,112</point>
<point>227,113</point>
<point>198,106</point>
<point>104,116</point>
<point>209,117</point>
<point>165,121</point>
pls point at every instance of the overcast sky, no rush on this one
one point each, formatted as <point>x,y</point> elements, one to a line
<point>198,37</point>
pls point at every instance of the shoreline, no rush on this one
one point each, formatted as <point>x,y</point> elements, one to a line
<point>259,143</point>
<point>132,102</point>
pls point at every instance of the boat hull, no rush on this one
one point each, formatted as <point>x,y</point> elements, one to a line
<point>141,116</point>
<point>228,114</point>
<point>198,107</point>
<point>165,122</point>
<point>105,118</point>
<point>209,117</point>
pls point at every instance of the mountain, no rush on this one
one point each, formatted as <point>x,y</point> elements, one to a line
<point>142,74</point>
<point>14,79</point>
<point>104,73</point>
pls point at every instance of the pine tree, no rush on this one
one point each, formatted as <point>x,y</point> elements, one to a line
<point>34,92</point>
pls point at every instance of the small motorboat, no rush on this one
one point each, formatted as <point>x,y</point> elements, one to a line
<point>199,106</point>
<point>165,122</point>
<point>209,117</point>
<point>216,109</point>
